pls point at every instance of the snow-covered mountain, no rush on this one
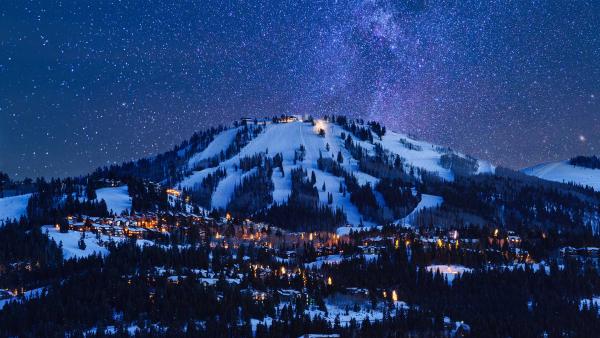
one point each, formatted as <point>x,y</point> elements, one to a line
<point>319,139</point>
<point>326,174</point>
<point>564,172</point>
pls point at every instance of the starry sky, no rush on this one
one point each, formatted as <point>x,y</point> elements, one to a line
<point>89,83</point>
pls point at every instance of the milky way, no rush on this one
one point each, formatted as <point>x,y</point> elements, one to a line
<point>88,84</point>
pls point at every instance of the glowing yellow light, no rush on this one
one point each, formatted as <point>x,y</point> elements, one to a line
<point>310,237</point>
<point>496,233</point>
<point>439,243</point>
<point>329,281</point>
<point>283,270</point>
<point>384,294</point>
<point>394,296</point>
<point>397,244</point>
<point>173,192</point>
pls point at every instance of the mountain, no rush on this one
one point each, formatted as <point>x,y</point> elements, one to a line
<point>327,150</point>
<point>322,174</point>
<point>326,225</point>
<point>569,171</point>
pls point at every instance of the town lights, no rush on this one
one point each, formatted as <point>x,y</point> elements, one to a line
<point>283,270</point>
<point>329,281</point>
<point>394,296</point>
<point>173,192</point>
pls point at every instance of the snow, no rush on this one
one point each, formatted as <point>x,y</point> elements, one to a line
<point>586,303</point>
<point>331,259</point>
<point>71,239</point>
<point>342,307</point>
<point>566,173</point>
<point>25,296</point>
<point>282,185</point>
<point>535,267</point>
<point>196,178</point>
<point>117,199</point>
<point>111,330</point>
<point>226,187</point>
<point>336,259</point>
<point>345,230</point>
<point>333,137</point>
<point>286,139</point>
<point>485,167</point>
<point>424,155</point>
<point>449,271</point>
<point>427,201</point>
<point>214,148</point>
<point>13,207</point>
<point>267,321</point>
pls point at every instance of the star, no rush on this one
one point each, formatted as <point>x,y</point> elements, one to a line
<point>119,82</point>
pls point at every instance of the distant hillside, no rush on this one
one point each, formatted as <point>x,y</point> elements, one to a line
<point>577,171</point>
<point>330,173</point>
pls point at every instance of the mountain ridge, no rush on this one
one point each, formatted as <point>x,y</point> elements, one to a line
<point>309,174</point>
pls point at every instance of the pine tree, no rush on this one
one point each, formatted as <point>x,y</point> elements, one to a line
<point>90,191</point>
<point>81,244</point>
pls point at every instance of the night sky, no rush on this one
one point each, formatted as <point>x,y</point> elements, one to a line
<point>84,84</point>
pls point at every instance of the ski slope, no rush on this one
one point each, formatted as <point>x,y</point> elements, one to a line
<point>424,155</point>
<point>287,138</point>
<point>13,207</point>
<point>564,172</point>
<point>117,199</point>
<point>427,201</point>
<point>214,148</point>
<point>196,178</point>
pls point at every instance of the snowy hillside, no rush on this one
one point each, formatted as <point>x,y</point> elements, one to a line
<point>284,138</point>
<point>117,199</point>
<point>566,173</point>
<point>427,201</point>
<point>219,144</point>
<point>319,139</point>
<point>13,207</point>
<point>425,155</point>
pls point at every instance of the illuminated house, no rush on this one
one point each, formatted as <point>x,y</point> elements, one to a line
<point>287,119</point>
<point>173,196</point>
